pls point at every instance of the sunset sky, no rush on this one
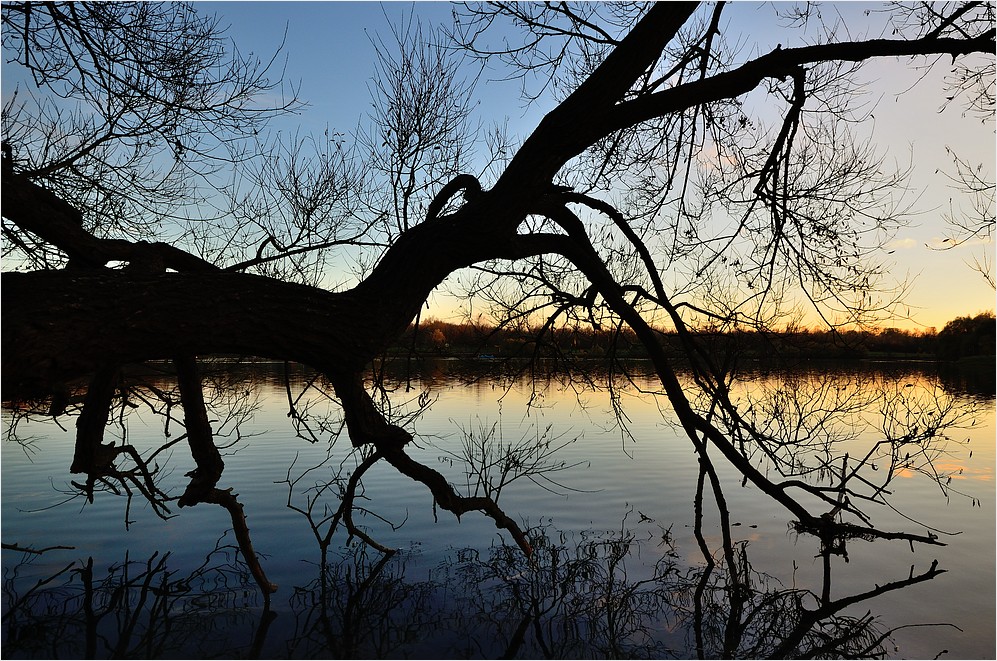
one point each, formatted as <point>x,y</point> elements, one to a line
<point>329,51</point>
<point>329,54</point>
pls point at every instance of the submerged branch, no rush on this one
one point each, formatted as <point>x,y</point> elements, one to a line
<point>227,499</point>
<point>202,447</point>
<point>447,497</point>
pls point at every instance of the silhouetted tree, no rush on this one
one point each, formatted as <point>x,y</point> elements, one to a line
<point>609,213</point>
<point>968,336</point>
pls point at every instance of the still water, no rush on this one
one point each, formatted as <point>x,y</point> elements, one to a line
<point>620,566</point>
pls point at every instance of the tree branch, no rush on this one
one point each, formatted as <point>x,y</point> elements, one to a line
<point>41,212</point>
<point>202,446</point>
<point>781,63</point>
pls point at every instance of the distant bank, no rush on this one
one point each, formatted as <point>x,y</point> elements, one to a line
<point>961,339</point>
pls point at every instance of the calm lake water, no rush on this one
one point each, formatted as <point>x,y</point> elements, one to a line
<point>618,570</point>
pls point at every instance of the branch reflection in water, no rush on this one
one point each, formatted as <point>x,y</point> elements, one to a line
<point>640,591</point>
<point>132,609</point>
<point>577,598</point>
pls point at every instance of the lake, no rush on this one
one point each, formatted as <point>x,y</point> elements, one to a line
<point>631,557</point>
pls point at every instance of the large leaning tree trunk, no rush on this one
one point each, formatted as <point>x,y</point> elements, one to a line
<point>83,320</point>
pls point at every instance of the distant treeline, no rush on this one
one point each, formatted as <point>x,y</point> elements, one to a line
<point>960,338</point>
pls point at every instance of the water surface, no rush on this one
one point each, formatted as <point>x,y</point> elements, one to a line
<point>618,571</point>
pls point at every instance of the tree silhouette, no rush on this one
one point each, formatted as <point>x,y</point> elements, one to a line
<point>967,336</point>
<point>604,214</point>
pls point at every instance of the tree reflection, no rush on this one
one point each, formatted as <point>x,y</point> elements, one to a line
<point>362,606</point>
<point>736,612</point>
<point>616,594</point>
<point>133,609</point>
<point>837,442</point>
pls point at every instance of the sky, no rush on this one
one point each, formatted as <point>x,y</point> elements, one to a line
<point>329,54</point>
<point>328,49</point>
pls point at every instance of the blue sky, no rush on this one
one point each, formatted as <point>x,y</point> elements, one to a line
<point>328,52</point>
